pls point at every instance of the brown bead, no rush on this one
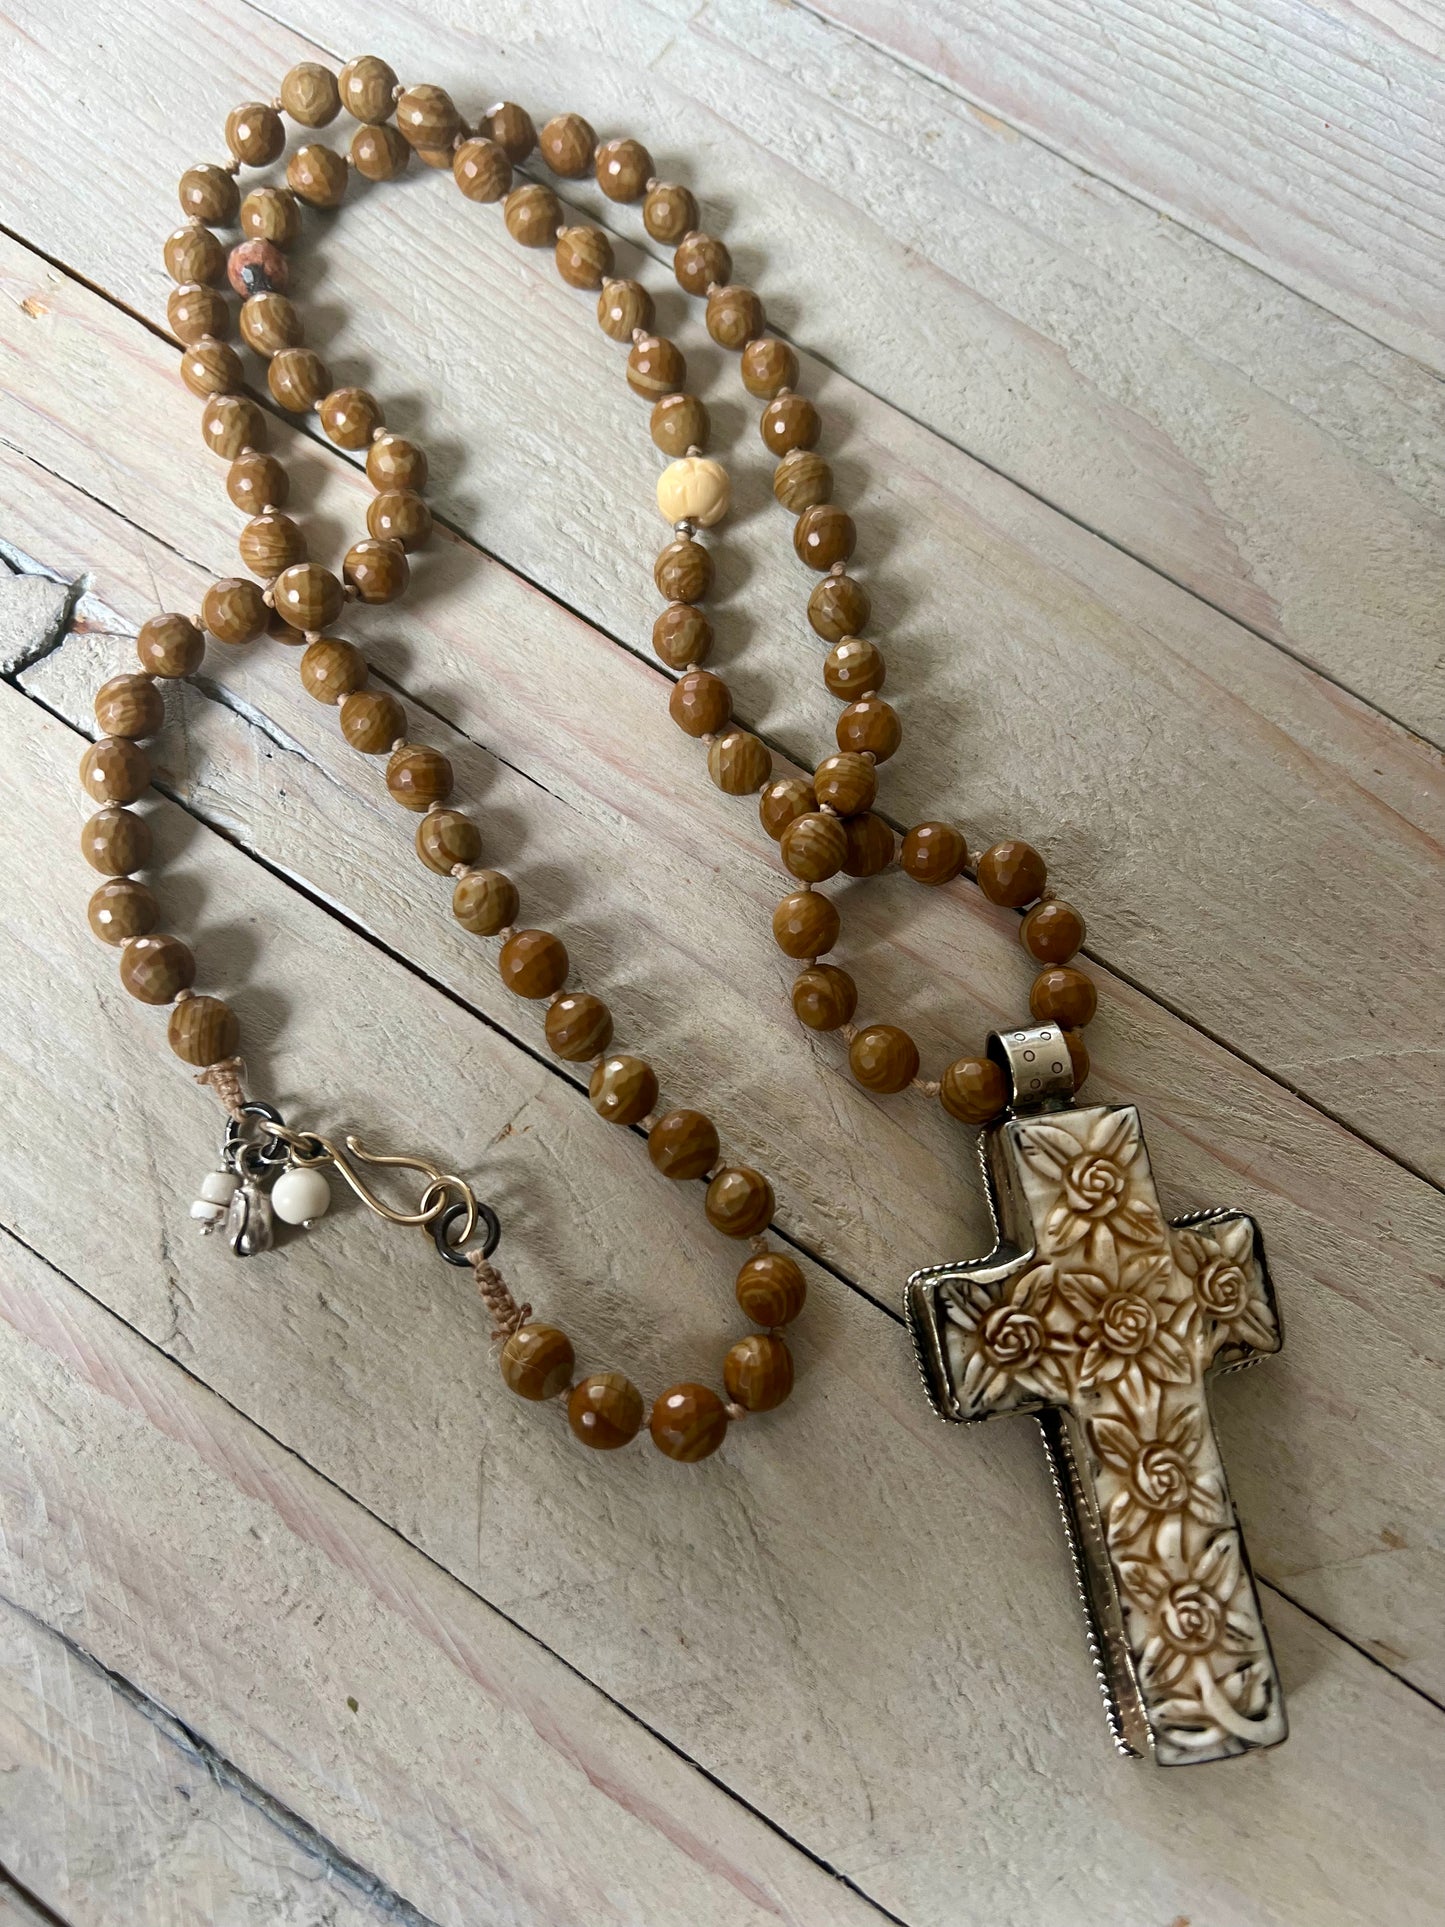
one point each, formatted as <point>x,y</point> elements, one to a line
<point>655,367</point>
<point>758,1372</point>
<point>738,763</point>
<point>823,535</point>
<point>567,144</point>
<point>399,515</point>
<point>308,597</point>
<point>310,95</point>
<point>1051,932</point>
<point>870,845</point>
<point>154,968</point>
<point>445,838</point>
<point>789,421</point>
<point>129,706</point>
<point>578,1027</point>
<point>485,902</point>
<point>537,1362</point>
<point>1011,873</point>
<point>934,853</point>
<point>203,1030</point>
<point>679,423</point>
<point>605,1411</point>
<point>701,259</point>
<point>688,1423</point>
<point>533,215</point>
<point>824,998</point>
<point>394,462</point>
<point>838,607</point>
<point>805,924</point>
<point>701,703</point>
<point>1078,1057</point>
<point>115,770</point>
<point>623,1089</point>
<point>739,1202</point>
<point>378,571</point>
<point>846,782</point>
<point>683,571</point>
<point>379,153</point>
<point>768,367</point>
<point>782,802</point>
<point>257,267</point>
<point>683,1144</point>
<point>317,175</point>
<point>271,214</point>
<point>331,669</point>
<point>371,720</point>
<point>298,378</point>
<point>973,1089</point>
<point>194,254</point>
<point>418,776</point>
<point>194,312</point>
<point>869,727</point>
<point>623,169</point>
<point>584,256</point>
<point>682,635</point>
<point>254,133</point>
<point>1064,997</point>
<point>669,212</point>
<point>883,1058</point>
<point>231,424</point>
<point>771,1289</point>
<point>115,841</point>
<point>122,908</point>
<point>853,667</point>
<point>281,631</point>
<point>734,316</point>
<point>481,170</point>
<point>211,367</point>
<point>367,87</point>
<point>209,194</point>
<point>351,416</point>
<point>813,846</point>
<point>270,543</point>
<point>170,645</point>
<point>802,481</point>
<point>622,308</point>
<point>256,483</point>
<point>533,963</point>
<point>427,118</point>
<point>510,126</point>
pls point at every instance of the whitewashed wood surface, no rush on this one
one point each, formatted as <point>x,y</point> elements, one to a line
<point>303,1619</point>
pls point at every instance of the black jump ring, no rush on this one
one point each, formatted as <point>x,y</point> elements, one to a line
<point>454,1214</point>
<point>267,1151</point>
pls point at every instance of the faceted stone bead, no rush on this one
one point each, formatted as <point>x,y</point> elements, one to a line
<point>679,422</point>
<point>738,763</point>
<point>418,776</point>
<point>655,367</point>
<point>768,367</point>
<point>257,267</point>
<point>824,997</point>
<point>838,607</point>
<point>623,1089</point>
<point>308,597</point>
<point>669,212</point>
<point>584,256</point>
<point>510,126</point>
<point>1051,932</point>
<point>578,1027</point>
<point>317,175</point>
<point>270,322</point>
<point>203,1030</point>
<point>399,515</point>
<point>209,194</point>
<point>622,308</point>
<point>701,259</point>
<point>371,720</point>
<point>115,770</point>
<point>427,118</point>
<point>537,1362</point>
<point>116,841</point>
<point>623,169</point>
<point>379,153</point>
<point>331,669</point>
<point>870,845</point>
<point>694,489</point>
<point>883,1058</point>
<point>231,424</point>
<point>377,571</point>
<point>683,1144</point>
<point>805,924</point>
<point>271,214</point>
<point>445,838</point>
<point>567,144</point>
<point>481,170</point>
<point>233,610</point>
<point>367,87</point>
<point>813,846</point>
<point>683,571</point>
<point>934,853</point>
<point>255,133</point>
<point>485,902</point>
<point>270,543</point>
<point>734,316</point>
<point>973,1089</point>
<point>1065,997</point>
<point>605,1411</point>
<point>688,1423</point>
<point>533,215</point>
<point>1011,873</point>
<point>194,312</point>
<point>1078,1057</point>
<point>194,254</point>
<point>256,483</point>
<point>802,480</point>
<point>154,968</point>
<point>758,1372</point>
<point>170,645</point>
<point>847,782</point>
<point>211,367</point>
<point>823,535</point>
<point>789,421</point>
<point>351,416</point>
<point>533,963</point>
<point>122,908</point>
<point>783,802</point>
<point>701,703</point>
<point>281,631</point>
<point>682,635</point>
<point>129,706</point>
<point>870,727</point>
<point>310,95</point>
<point>739,1202</point>
<point>298,378</point>
<point>394,462</point>
<point>771,1289</point>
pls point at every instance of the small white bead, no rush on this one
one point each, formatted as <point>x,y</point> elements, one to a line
<point>299,1195</point>
<point>207,1213</point>
<point>694,489</point>
<point>219,1187</point>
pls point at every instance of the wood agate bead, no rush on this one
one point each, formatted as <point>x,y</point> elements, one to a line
<point>1064,997</point>
<point>510,126</point>
<point>271,214</point>
<point>129,706</point>
<point>934,853</point>
<point>782,802</point>
<point>270,543</point>
<point>683,571</point>
<point>281,631</point>
<point>350,416</point>
<point>623,168</point>
<point>399,515</point>
<point>1051,932</point>
<point>802,480</point>
<point>116,841</point>
<point>605,1411</point>
<point>203,1030</point>
<point>371,720</point>
<point>209,194</point>
<point>115,770</point>
<point>269,323</point>
<point>231,424</point>
<point>813,847</point>
<point>668,212</point>
<point>655,367</point>
<point>317,175</point>
<point>883,1058</point>
<point>533,215</point>
<point>973,1089</point>
<point>122,908</point>
<point>578,1027</point>
<point>445,838</point>
<point>310,95</point>
<point>679,423</point>
<point>623,1089</point>
<point>308,597</point>
<point>683,1144</point>
<point>853,667</point>
<point>739,1202</point>
<point>170,645</point>
<point>257,267</point>
<point>298,378</point>
<point>870,845</point>
<point>847,782</point>
<point>194,254</point>
<point>485,902</point>
<point>331,669</point>
<point>789,421</point>
<point>256,483</point>
<point>734,316</point>
<point>379,153</point>
<point>701,259</point>
<point>823,535</point>
<point>758,1372</point>
<point>688,1423</point>
<point>738,763</point>
<point>367,87</point>
<point>533,963</point>
<point>838,607</point>
<point>481,170</point>
<point>1011,873</point>
<point>805,924</point>
<point>394,462</point>
<point>694,489</point>
<point>377,571</point>
<point>418,776</point>
<point>701,703</point>
<point>537,1362</point>
<point>622,308</point>
<point>427,119</point>
<point>869,727</point>
<point>254,133</point>
<point>154,968</point>
<point>567,144</point>
<point>824,998</point>
<point>682,635</point>
<point>194,312</point>
<point>771,1289</point>
<point>768,367</point>
<point>211,367</point>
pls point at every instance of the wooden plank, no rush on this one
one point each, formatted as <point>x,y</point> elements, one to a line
<point>17,1909</point>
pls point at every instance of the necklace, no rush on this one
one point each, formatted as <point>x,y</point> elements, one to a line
<point>1091,1310</point>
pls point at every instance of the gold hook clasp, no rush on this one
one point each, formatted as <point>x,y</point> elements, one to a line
<point>310,1149</point>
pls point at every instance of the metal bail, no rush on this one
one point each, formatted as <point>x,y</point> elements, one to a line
<point>1037,1065</point>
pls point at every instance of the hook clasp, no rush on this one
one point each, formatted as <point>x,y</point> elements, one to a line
<point>445,1191</point>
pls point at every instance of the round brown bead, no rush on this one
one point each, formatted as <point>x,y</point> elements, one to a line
<point>805,924</point>
<point>115,770</point>
<point>298,378</point>
<point>371,720</point>
<point>679,423</point>
<point>688,1423</point>
<point>1051,932</point>
<point>129,706</point>
<point>203,1030</point>
<point>683,1144</point>
<point>427,118</point>
<point>802,481</point>
<point>308,597</point>
<point>847,782</point>
<point>823,535</point>
<point>869,727</point>
<point>399,515</point>
<point>566,143</point>
<point>209,194</point>
<point>701,703</point>
<point>758,1372</point>
<point>231,424</point>
<point>445,838</point>
<point>116,841</point>
<point>120,909</point>
<point>271,214</point>
<point>813,846</point>
<point>270,543</point>
<point>170,645</point>
<point>771,1289</point>
<point>622,308</point>
<point>257,267</point>
<point>668,212</point>
<point>533,215</point>
<point>256,483</point>
<point>378,571</point>
<point>194,312</point>
<point>537,1362</point>
<point>1078,1057</point>
<point>700,260</point>
<point>623,169</point>
<point>350,416</point>
<point>734,316</point>
<point>1011,873</point>
<point>317,175</point>
<point>154,968</point>
<point>254,133</point>
<point>310,95</point>
<point>533,963</point>
<point>768,367</point>
<point>281,631</point>
<point>853,667</point>
<point>934,853</point>
<point>605,1411</point>
<point>485,902</point>
<point>738,763</point>
<point>394,462</point>
<point>481,170</point>
<point>623,1089</point>
<point>973,1089</point>
<point>418,776</point>
<point>838,607</point>
<point>331,669</point>
<point>683,571</point>
<point>578,1027</point>
<point>211,367</point>
<point>379,153</point>
<point>789,421</point>
<point>739,1202</point>
<point>367,87</point>
<point>883,1058</point>
<point>510,126</point>
<point>1064,997</point>
<point>655,367</point>
<point>824,998</point>
<point>682,635</point>
<point>870,845</point>
<point>783,802</point>
<point>194,254</point>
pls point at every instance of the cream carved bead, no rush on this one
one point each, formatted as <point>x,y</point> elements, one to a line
<point>694,489</point>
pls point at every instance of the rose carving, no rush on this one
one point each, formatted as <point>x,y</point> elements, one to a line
<point>1093,1186</point>
<point>1127,1323</point>
<point>1159,1478</point>
<point>1011,1339</point>
<point>1191,1618</point>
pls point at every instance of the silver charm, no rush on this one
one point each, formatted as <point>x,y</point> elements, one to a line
<point>249,1225</point>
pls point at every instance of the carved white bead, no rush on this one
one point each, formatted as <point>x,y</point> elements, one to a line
<point>298,1196</point>
<point>694,489</point>
<point>218,1187</point>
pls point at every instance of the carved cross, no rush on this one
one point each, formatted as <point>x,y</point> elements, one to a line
<point>1105,1320</point>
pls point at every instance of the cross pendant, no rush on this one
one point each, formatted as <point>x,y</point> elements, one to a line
<point>1106,1321</point>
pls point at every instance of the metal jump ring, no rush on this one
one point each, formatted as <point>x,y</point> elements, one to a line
<point>266,1152</point>
<point>441,1226</point>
